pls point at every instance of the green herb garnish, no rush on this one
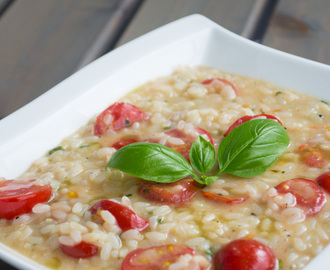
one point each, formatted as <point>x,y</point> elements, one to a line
<point>247,151</point>
<point>323,101</point>
<point>127,122</point>
<point>58,148</point>
<point>280,264</point>
<point>84,146</point>
<point>278,93</point>
<point>210,252</point>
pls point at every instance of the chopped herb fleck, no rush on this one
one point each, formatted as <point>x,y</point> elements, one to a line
<point>283,172</point>
<point>166,128</point>
<point>150,213</point>
<point>319,185</point>
<point>128,195</point>
<point>275,171</point>
<point>127,122</point>
<point>253,214</point>
<point>210,252</point>
<point>323,101</point>
<point>56,149</point>
<point>278,93</point>
<point>280,264</point>
<point>160,221</point>
<point>84,146</point>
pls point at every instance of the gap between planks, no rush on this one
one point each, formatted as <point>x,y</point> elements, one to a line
<point>111,32</point>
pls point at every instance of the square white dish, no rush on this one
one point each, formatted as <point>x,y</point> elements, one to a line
<point>195,40</point>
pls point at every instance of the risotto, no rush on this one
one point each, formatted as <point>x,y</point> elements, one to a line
<point>70,210</point>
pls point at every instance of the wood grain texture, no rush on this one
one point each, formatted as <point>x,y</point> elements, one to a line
<point>42,43</point>
<point>301,27</point>
<point>111,32</point>
<point>155,13</point>
<point>4,4</point>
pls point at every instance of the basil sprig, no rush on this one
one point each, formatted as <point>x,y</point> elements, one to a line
<point>247,151</point>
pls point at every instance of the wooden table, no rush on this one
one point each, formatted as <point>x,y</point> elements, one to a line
<point>44,41</point>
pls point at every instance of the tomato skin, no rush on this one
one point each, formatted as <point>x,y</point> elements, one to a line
<point>221,199</point>
<point>123,142</point>
<point>245,254</point>
<point>168,193</point>
<point>18,197</point>
<point>246,118</point>
<point>309,195</point>
<point>126,218</point>
<point>122,115</point>
<point>210,81</point>
<point>324,181</point>
<point>81,250</point>
<point>154,258</point>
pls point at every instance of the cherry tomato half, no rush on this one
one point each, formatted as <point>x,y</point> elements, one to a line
<point>309,195</point>
<point>81,250</point>
<point>123,142</point>
<point>154,258</point>
<point>324,181</point>
<point>183,149</point>
<point>118,116</point>
<point>126,218</point>
<point>312,156</point>
<point>210,81</point>
<point>245,254</point>
<point>218,198</point>
<point>18,197</point>
<point>246,118</point>
<point>169,193</point>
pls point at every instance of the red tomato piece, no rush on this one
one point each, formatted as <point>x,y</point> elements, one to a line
<point>81,250</point>
<point>210,81</point>
<point>183,149</point>
<point>324,181</point>
<point>126,218</point>
<point>245,254</point>
<point>314,159</point>
<point>154,258</point>
<point>312,156</point>
<point>17,197</point>
<point>246,118</point>
<point>123,142</point>
<point>309,195</point>
<point>219,198</point>
<point>118,116</point>
<point>169,193</point>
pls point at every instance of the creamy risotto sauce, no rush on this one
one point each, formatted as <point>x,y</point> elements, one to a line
<point>256,209</point>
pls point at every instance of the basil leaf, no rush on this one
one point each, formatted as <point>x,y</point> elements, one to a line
<point>202,155</point>
<point>210,180</point>
<point>151,161</point>
<point>252,147</point>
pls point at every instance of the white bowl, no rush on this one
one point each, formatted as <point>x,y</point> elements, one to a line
<point>29,132</point>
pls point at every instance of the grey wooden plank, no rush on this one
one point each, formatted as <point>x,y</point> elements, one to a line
<point>4,4</point>
<point>111,31</point>
<point>154,13</point>
<point>301,27</point>
<point>42,43</point>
